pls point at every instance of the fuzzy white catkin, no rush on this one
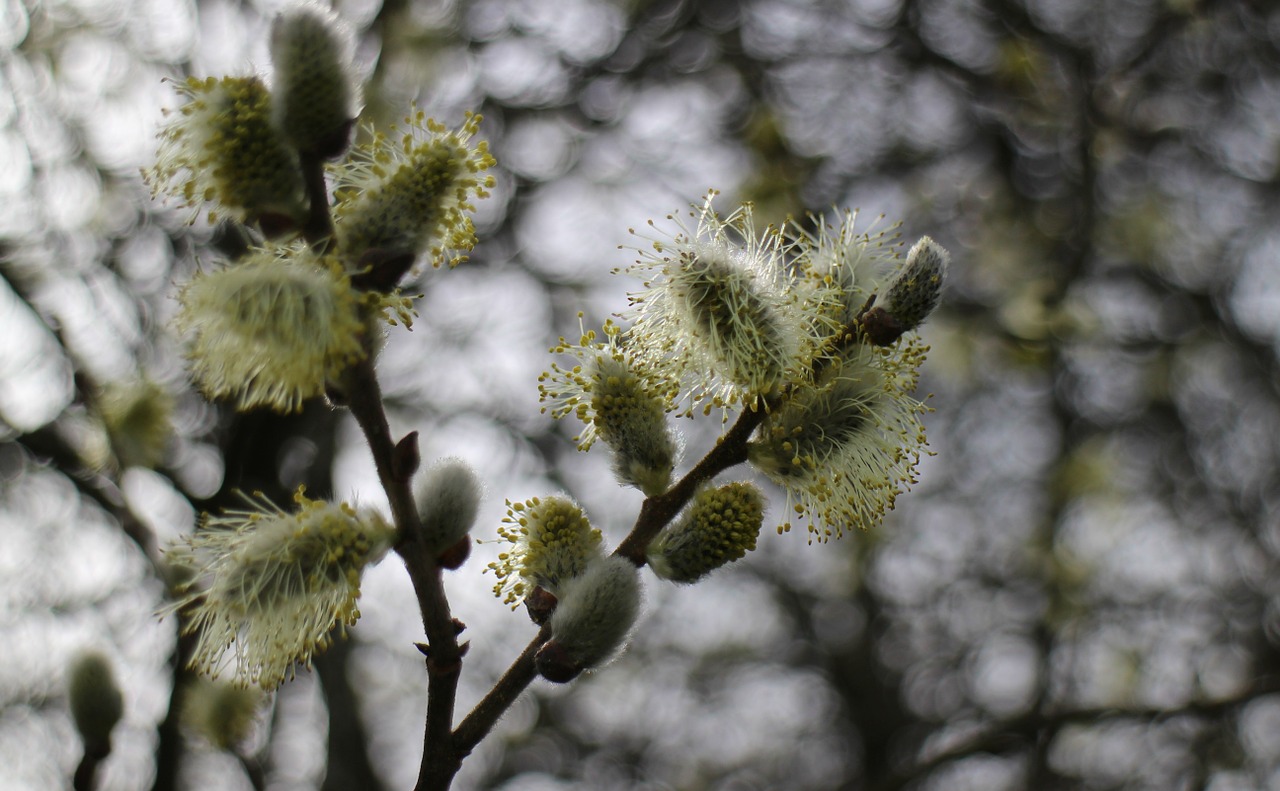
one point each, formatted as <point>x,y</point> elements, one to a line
<point>448,496</point>
<point>597,611</point>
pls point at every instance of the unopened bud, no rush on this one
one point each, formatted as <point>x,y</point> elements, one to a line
<point>138,418</point>
<point>912,295</point>
<point>592,619</point>
<point>96,702</point>
<point>448,496</point>
<point>314,99</point>
<point>223,714</point>
<point>719,527</point>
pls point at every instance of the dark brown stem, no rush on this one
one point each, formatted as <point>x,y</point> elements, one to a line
<point>657,511</point>
<point>86,775</point>
<point>490,709</point>
<point>319,227</point>
<point>440,759</point>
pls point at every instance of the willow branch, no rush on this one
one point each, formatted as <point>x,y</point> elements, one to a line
<point>655,513</point>
<point>319,225</point>
<point>444,655</point>
<point>1017,733</point>
<point>490,709</point>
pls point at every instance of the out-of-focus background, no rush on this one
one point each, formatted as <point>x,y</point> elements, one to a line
<point>1081,592</point>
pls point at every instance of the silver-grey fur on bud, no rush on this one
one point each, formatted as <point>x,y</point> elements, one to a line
<point>915,292</point>
<point>596,612</point>
<point>448,496</point>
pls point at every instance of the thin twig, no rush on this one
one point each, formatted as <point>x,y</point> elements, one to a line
<point>490,709</point>
<point>655,513</point>
<point>319,227</point>
<point>440,761</point>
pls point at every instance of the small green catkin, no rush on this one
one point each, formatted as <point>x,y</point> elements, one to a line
<point>221,147</point>
<point>631,418</point>
<point>720,526</point>
<point>222,713</point>
<point>314,93</point>
<point>592,620</point>
<point>96,702</point>
<point>448,496</point>
<point>915,292</point>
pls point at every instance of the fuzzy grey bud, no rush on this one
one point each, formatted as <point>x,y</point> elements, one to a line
<point>448,496</point>
<point>592,619</point>
<point>96,702</point>
<point>912,295</point>
<point>314,96</point>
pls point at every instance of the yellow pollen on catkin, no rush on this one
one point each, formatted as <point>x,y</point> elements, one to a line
<point>551,543</point>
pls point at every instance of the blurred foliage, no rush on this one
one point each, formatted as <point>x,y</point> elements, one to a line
<point>1081,591</point>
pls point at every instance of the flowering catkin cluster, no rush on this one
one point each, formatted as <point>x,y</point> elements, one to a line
<point>271,585</point>
<point>293,317</point>
<point>221,148</point>
<point>720,311</point>
<point>272,329</point>
<point>409,192</point>
<point>807,333</point>
<point>283,324</point>
<point>810,327</point>
<point>845,443</point>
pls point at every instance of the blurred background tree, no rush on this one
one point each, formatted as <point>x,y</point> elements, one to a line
<point>1080,593</point>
